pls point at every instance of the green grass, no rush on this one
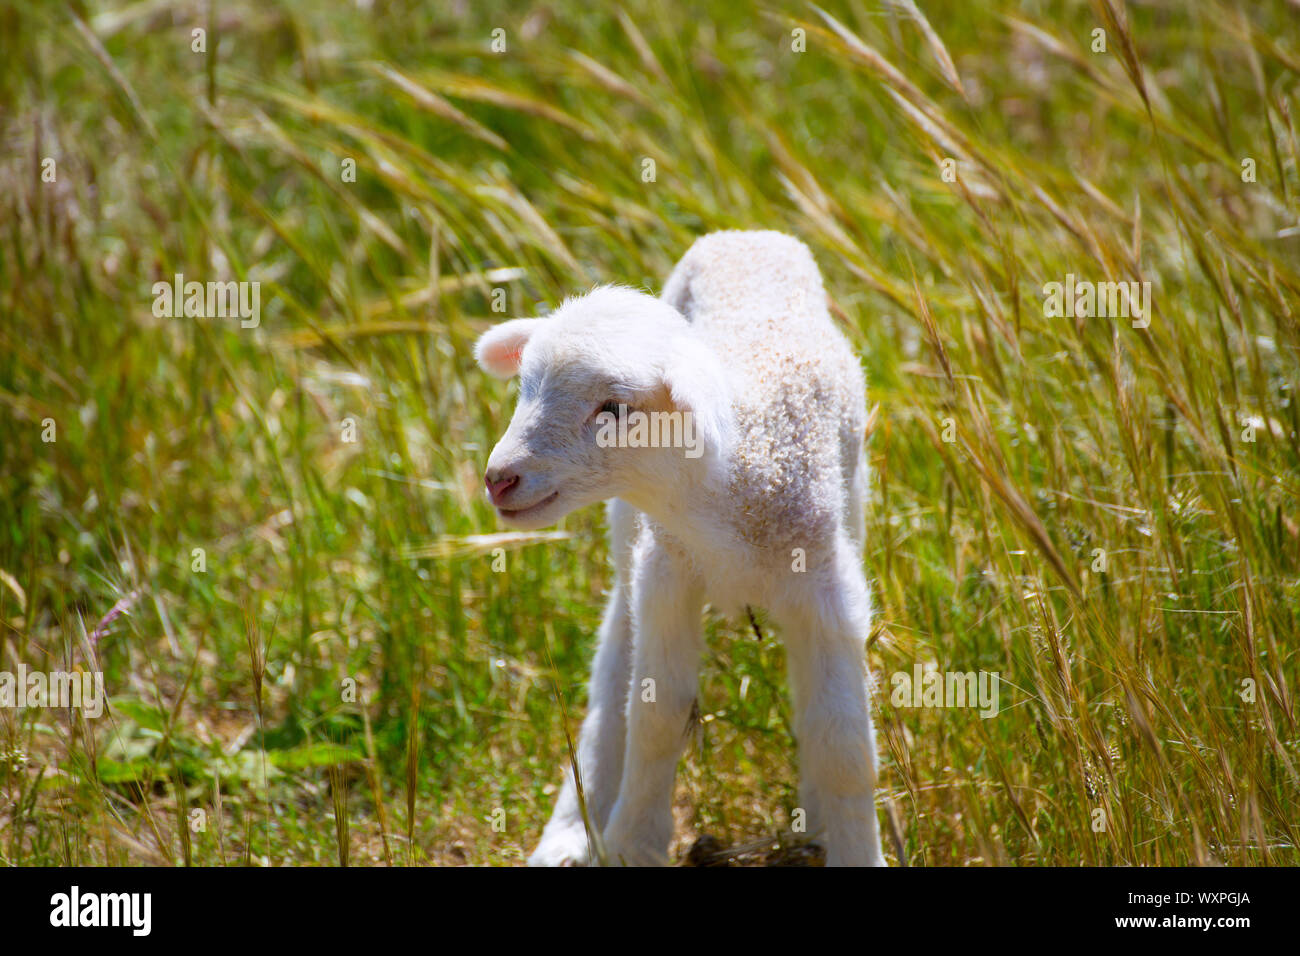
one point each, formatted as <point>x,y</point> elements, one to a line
<point>523,171</point>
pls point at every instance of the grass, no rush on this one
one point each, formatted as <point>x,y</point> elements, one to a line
<point>357,668</point>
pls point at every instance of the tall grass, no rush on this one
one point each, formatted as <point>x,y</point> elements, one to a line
<point>1103,514</point>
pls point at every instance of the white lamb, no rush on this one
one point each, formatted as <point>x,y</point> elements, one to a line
<point>770,514</point>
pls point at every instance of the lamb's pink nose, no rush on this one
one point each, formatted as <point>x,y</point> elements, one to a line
<point>499,485</point>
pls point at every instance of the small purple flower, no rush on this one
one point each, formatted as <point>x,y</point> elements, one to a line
<point>116,611</point>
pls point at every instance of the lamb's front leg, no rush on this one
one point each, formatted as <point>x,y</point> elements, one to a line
<point>668,601</point>
<point>600,744</point>
<point>825,638</point>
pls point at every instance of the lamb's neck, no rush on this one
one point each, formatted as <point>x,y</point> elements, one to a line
<point>686,502</point>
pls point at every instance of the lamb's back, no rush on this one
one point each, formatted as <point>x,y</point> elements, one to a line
<point>756,298</point>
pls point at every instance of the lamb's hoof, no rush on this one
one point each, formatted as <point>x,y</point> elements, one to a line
<point>870,859</point>
<point>620,853</point>
<point>563,848</point>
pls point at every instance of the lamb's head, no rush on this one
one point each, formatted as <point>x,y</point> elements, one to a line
<point>589,373</point>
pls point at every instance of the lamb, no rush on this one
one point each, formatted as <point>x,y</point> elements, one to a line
<point>768,512</point>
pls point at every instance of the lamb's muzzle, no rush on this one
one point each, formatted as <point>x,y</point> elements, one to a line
<point>765,508</point>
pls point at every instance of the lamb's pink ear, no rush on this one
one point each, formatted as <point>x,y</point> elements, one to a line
<point>500,348</point>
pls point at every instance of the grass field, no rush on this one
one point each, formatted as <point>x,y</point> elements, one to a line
<point>272,540</point>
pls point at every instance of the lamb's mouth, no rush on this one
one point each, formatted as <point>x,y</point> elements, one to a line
<point>517,514</point>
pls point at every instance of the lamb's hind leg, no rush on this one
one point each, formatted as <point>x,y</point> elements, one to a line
<point>825,636</point>
<point>600,744</point>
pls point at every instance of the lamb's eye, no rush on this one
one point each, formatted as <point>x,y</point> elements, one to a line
<point>612,407</point>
